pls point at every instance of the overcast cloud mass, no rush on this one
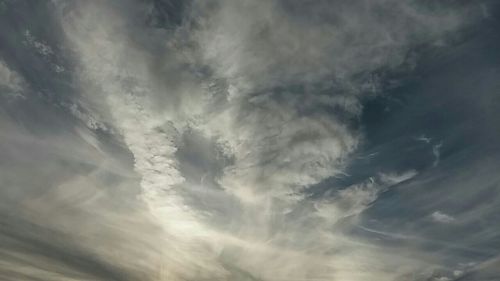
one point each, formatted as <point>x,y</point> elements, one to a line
<point>245,140</point>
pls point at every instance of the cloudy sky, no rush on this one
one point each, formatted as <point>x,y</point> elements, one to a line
<point>245,140</point>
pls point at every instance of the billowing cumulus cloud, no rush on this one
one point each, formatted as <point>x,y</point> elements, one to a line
<point>228,140</point>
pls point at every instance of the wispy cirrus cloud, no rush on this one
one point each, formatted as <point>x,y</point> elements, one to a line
<point>279,101</point>
<point>229,112</point>
<point>441,217</point>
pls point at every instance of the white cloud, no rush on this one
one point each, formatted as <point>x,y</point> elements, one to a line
<point>348,202</point>
<point>279,141</point>
<point>436,151</point>
<point>424,139</point>
<point>88,118</point>
<point>441,217</point>
<point>263,44</point>
<point>40,47</point>
<point>11,82</point>
<point>457,273</point>
<point>395,178</point>
<point>150,138</point>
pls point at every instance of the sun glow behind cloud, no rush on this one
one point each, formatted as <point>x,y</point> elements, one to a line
<point>241,119</point>
<point>277,146</point>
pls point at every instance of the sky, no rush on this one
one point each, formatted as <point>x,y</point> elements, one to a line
<point>249,140</point>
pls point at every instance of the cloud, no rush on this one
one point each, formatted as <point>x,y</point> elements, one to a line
<point>436,151</point>
<point>440,217</point>
<point>279,93</point>
<point>41,47</point>
<point>66,207</point>
<point>424,139</point>
<point>351,201</point>
<point>11,83</point>
<point>395,178</point>
<point>267,44</point>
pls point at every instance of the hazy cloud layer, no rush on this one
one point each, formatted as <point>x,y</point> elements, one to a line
<point>248,140</point>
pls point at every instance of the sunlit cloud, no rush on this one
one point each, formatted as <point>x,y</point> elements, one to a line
<point>227,140</point>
